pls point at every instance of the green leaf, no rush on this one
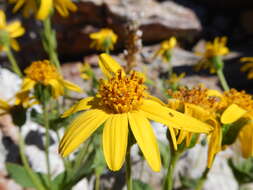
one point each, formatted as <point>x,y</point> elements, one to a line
<point>243,171</point>
<point>187,182</point>
<point>139,185</point>
<point>231,132</point>
<point>19,174</point>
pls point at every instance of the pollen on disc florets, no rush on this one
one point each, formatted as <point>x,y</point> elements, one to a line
<point>197,95</point>
<point>123,93</point>
<point>42,72</point>
<point>241,98</point>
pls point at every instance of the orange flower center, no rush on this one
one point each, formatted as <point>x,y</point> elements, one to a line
<point>123,93</point>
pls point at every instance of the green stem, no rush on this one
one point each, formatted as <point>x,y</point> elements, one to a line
<point>97,185</point>
<point>47,142</point>
<point>128,170</point>
<point>34,178</point>
<point>219,65</point>
<point>170,172</point>
<point>13,62</point>
<point>222,79</point>
<point>50,43</point>
<point>202,180</point>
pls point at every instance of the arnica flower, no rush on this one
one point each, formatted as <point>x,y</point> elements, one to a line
<point>8,33</point>
<point>86,72</point>
<point>123,104</point>
<point>174,80</point>
<point>165,49</point>
<point>248,66</point>
<point>103,40</point>
<point>43,8</point>
<point>212,49</point>
<point>203,104</point>
<point>240,106</point>
<point>46,74</point>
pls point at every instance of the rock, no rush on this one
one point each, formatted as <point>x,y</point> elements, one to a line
<point>158,21</point>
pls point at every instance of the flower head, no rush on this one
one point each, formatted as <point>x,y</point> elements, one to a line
<point>104,39</point>
<point>8,33</point>
<point>122,104</point>
<point>248,67</point>
<point>214,49</point>
<point>42,8</point>
<point>165,49</point>
<point>46,74</point>
<point>86,72</point>
<point>240,106</point>
<point>203,104</point>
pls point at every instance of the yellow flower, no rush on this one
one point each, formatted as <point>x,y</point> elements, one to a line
<point>175,79</point>
<point>240,105</point>
<point>46,74</point>
<point>8,33</point>
<point>203,104</point>
<point>122,104</point>
<point>103,40</point>
<point>212,49</point>
<point>42,8</point>
<point>248,67</point>
<point>217,48</point>
<point>86,71</point>
<point>21,99</point>
<point>165,49</point>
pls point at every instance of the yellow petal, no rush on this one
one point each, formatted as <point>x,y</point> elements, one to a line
<point>19,32</point>
<point>182,136</point>
<point>108,65</point>
<point>173,137</point>
<point>115,136</point>
<point>246,140</point>
<point>214,145</point>
<point>167,116</point>
<point>145,138</point>
<point>2,19</point>
<point>57,88</point>
<point>15,45</point>
<point>44,10</point>
<point>18,5</point>
<point>232,113</point>
<point>196,112</point>
<point>4,105</point>
<point>72,86</point>
<point>27,84</point>
<point>80,129</point>
<point>214,93</point>
<point>84,104</point>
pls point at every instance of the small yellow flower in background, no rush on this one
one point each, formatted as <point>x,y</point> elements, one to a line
<point>165,49</point>
<point>46,74</point>
<point>8,33</point>
<point>203,104</point>
<point>103,40</point>
<point>21,99</point>
<point>43,8</point>
<point>212,49</point>
<point>174,80</point>
<point>122,101</point>
<point>248,67</point>
<point>86,71</point>
<point>216,48</point>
